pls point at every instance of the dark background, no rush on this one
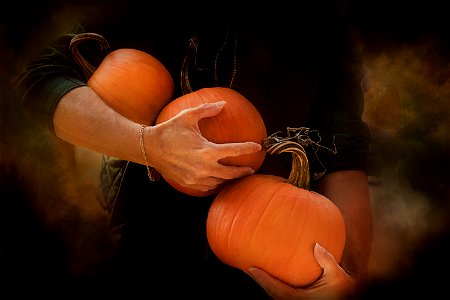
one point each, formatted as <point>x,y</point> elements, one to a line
<point>54,237</point>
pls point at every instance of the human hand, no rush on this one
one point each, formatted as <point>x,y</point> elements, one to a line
<point>335,282</point>
<point>180,153</point>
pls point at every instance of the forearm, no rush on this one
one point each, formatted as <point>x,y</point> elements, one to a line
<point>349,190</point>
<point>82,118</point>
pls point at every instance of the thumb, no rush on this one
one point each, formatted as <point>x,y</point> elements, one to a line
<point>194,114</point>
<point>324,258</point>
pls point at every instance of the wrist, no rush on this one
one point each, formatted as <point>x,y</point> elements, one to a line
<point>152,174</point>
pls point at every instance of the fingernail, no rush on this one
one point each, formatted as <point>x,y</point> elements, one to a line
<point>220,103</point>
<point>319,248</point>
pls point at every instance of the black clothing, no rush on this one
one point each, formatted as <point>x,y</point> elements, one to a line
<point>299,71</point>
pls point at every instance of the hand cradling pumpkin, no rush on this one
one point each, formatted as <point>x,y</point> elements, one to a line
<point>239,121</point>
<point>139,87</point>
<point>269,222</point>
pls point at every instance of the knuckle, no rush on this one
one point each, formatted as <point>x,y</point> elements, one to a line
<point>190,180</point>
<point>235,150</point>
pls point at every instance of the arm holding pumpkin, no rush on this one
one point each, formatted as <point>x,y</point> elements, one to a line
<point>345,183</point>
<point>175,148</point>
<point>349,191</point>
<point>54,91</point>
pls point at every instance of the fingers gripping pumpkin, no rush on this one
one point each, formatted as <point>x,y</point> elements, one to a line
<point>269,222</point>
<point>239,121</point>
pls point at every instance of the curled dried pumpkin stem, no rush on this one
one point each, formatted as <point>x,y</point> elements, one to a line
<point>190,59</point>
<point>296,141</point>
<point>186,87</point>
<point>88,68</point>
<point>299,175</point>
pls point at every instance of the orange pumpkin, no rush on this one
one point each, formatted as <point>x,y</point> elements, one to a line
<point>132,82</point>
<point>239,121</point>
<point>269,222</point>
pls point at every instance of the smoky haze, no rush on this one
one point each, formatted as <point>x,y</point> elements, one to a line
<point>408,110</point>
<point>407,106</point>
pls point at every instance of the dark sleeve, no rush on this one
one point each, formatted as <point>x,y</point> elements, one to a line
<point>46,79</point>
<point>340,111</point>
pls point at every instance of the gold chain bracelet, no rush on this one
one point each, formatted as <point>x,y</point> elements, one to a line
<point>153,175</point>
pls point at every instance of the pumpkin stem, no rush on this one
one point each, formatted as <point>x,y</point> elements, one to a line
<point>192,51</point>
<point>88,69</point>
<point>299,175</point>
<point>299,138</point>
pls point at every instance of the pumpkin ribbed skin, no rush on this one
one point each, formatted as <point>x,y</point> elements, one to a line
<point>266,222</point>
<point>239,121</point>
<point>133,83</point>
